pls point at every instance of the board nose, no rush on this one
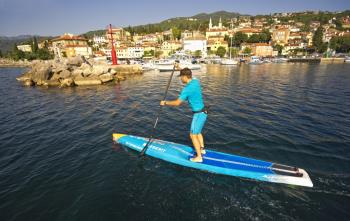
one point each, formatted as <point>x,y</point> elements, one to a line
<point>117,136</point>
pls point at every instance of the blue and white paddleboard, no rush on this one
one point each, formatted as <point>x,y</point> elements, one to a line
<point>218,162</point>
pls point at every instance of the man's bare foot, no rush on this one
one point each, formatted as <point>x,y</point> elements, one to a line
<point>203,151</point>
<point>197,159</point>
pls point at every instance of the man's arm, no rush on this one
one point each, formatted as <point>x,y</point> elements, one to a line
<point>175,103</point>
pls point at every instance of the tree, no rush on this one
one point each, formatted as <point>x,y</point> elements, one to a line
<point>35,46</point>
<point>198,53</point>
<point>247,50</point>
<point>17,54</point>
<point>278,48</point>
<point>340,44</point>
<point>228,40</point>
<point>234,52</point>
<point>239,38</point>
<point>221,51</point>
<point>0,54</point>
<point>158,54</point>
<point>267,35</point>
<point>176,32</point>
<point>317,39</point>
<point>148,53</point>
<point>254,38</point>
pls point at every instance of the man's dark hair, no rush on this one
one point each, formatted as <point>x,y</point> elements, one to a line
<point>186,72</point>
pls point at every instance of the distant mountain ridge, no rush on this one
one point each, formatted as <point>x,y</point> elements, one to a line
<point>201,22</point>
<point>217,15</point>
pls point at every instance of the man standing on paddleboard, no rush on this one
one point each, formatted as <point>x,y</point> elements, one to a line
<point>192,93</point>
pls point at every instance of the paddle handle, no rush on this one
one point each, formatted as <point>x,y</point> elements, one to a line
<point>143,151</point>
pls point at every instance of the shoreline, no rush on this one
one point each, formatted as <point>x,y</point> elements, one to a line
<point>4,63</point>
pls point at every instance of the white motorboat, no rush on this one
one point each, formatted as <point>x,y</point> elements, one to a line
<point>168,64</point>
<point>255,60</point>
<point>229,61</point>
<point>280,60</point>
<point>148,66</point>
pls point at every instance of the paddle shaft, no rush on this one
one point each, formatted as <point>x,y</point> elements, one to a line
<point>158,114</point>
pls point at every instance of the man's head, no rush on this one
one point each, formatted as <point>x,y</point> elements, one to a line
<point>185,75</point>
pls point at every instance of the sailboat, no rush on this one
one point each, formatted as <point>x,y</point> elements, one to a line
<point>229,61</point>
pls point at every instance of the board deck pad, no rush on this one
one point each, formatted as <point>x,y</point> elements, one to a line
<point>217,162</point>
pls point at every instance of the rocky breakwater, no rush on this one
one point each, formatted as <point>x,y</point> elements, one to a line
<point>75,71</point>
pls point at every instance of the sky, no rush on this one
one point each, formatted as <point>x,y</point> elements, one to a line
<point>55,17</point>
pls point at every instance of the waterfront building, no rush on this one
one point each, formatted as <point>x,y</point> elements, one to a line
<point>25,48</point>
<point>169,47</point>
<point>118,34</point>
<point>345,21</point>
<point>280,36</point>
<point>149,46</point>
<point>248,31</point>
<point>213,45</point>
<point>98,40</point>
<point>219,30</point>
<point>195,43</point>
<point>186,34</point>
<point>259,49</point>
<point>150,38</point>
<point>314,25</point>
<point>294,47</point>
<point>69,45</point>
<point>295,35</point>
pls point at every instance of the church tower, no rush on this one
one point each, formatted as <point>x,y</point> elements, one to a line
<point>210,24</point>
<point>220,23</point>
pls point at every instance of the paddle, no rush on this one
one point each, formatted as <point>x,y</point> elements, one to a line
<point>158,114</point>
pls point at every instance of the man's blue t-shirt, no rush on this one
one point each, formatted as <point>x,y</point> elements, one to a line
<point>192,93</point>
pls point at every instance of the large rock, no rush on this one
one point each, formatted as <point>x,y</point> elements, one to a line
<point>112,71</point>
<point>100,69</point>
<point>28,82</point>
<point>65,74</point>
<point>41,71</point>
<point>87,70</point>
<point>68,82</point>
<point>106,77</point>
<point>118,78</point>
<point>74,61</point>
<point>25,76</point>
<point>51,83</point>
<point>58,67</point>
<point>87,81</point>
<point>76,73</point>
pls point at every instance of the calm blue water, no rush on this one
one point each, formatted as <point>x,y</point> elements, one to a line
<point>58,162</point>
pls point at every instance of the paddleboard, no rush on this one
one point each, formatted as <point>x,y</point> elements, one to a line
<point>217,162</point>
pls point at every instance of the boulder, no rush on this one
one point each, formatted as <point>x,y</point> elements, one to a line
<point>58,67</point>
<point>112,71</point>
<point>28,82</point>
<point>65,74</point>
<point>87,81</point>
<point>68,82</point>
<point>106,77</point>
<point>51,83</point>
<point>76,73</point>
<point>55,76</point>
<point>41,71</point>
<point>119,78</point>
<point>100,69</point>
<point>87,70</point>
<point>74,61</point>
<point>25,76</point>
